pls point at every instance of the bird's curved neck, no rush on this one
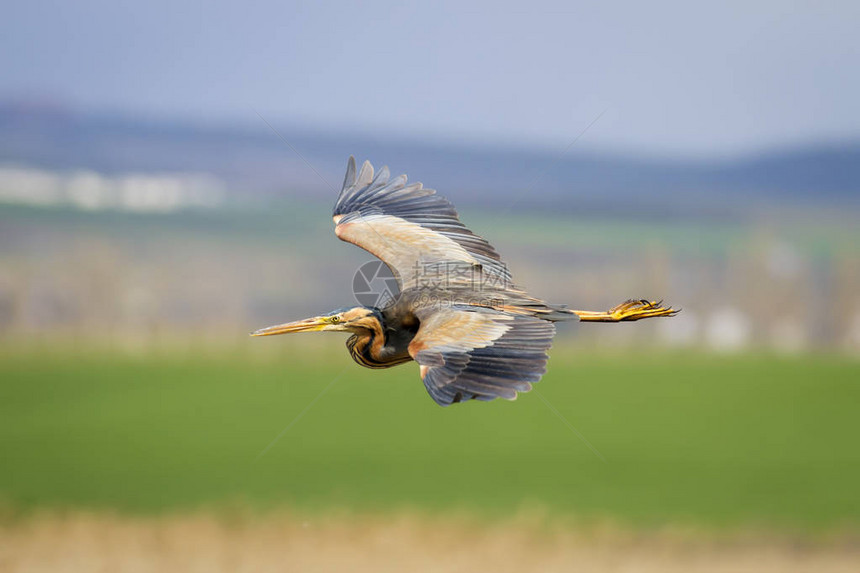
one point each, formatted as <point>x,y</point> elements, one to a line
<point>368,345</point>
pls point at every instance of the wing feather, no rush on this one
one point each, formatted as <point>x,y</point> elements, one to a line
<point>408,226</point>
<point>477,353</point>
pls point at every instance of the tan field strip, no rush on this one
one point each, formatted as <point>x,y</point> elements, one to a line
<point>214,542</point>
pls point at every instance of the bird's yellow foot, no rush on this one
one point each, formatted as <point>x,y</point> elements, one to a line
<point>628,311</point>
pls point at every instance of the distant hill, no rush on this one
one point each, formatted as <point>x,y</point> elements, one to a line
<point>255,163</point>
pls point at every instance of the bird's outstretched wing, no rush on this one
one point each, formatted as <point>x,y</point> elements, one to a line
<point>469,353</point>
<point>410,228</point>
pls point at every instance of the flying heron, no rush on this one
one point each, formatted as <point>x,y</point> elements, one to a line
<point>473,333</point>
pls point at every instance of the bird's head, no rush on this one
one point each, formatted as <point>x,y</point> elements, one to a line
<point>354,320</point>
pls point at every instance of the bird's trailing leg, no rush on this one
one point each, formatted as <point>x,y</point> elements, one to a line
<point>627,311</point>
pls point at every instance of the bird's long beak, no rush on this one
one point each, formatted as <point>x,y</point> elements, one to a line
<point>307,325</point>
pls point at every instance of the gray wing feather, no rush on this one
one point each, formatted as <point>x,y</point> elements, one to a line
<point>510,364</point>
<point>365,194</point>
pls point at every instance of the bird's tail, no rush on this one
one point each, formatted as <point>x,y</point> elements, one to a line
<point>539,309</point>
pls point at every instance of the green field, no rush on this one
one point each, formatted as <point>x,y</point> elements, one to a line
<point>711,440</point>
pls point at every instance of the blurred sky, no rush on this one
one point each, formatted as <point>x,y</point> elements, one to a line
<point>682,79</point>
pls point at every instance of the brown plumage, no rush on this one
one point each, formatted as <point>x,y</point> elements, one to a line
<point>474,334</point>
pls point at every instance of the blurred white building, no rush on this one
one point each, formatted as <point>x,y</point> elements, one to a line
<point>156,193</point>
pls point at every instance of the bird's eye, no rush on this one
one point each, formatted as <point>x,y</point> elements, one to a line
<point>335,319</point>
